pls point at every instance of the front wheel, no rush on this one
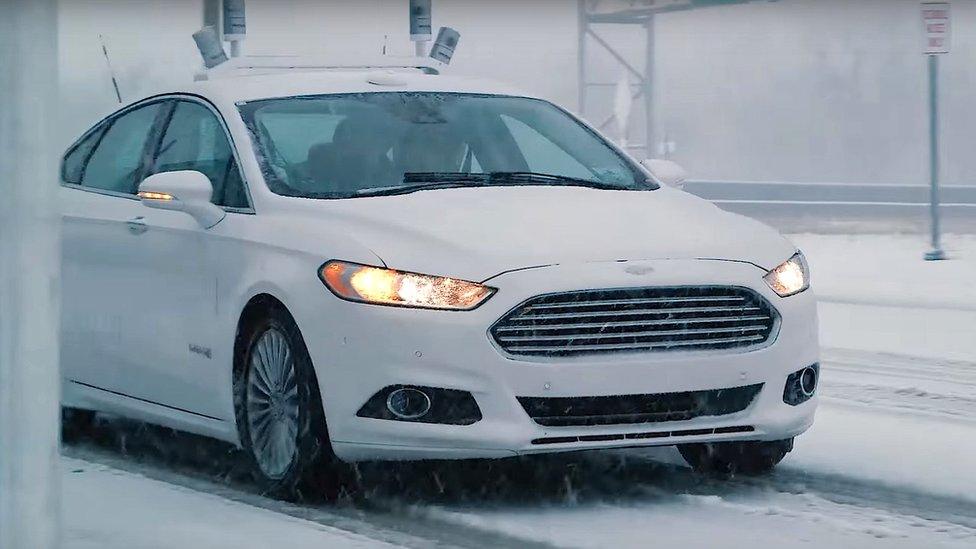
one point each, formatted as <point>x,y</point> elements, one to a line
<point>729,458</point>
<point>279,412</point>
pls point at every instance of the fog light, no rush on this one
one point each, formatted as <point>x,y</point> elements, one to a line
<point>419,404</point>
<point>408,403</point>
<point>801,385</point>
<point>808,381</point>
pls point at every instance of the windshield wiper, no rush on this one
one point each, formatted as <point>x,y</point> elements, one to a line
<point>426,181</point>
<point>535,178</point>
<point>505,178</point>
<point>445,177</point>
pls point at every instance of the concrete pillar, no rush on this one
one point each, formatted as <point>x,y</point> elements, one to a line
<point>30,254</point>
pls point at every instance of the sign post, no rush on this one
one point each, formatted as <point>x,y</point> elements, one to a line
<point>936,27</point>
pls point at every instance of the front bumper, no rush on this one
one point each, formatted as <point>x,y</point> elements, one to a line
<point>358,349</point>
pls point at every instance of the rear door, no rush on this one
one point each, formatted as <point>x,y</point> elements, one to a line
<point>102,220</point>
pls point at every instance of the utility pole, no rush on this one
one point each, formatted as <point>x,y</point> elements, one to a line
<point>936,29</point>
<point>30,233</point>
<point>649,135</point>
<point>936,253</point>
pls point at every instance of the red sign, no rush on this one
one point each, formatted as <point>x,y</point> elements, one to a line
<point>936,27</point>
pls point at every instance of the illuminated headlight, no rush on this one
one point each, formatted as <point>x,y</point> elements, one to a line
<point>381,286</point>
<point>791,277</point>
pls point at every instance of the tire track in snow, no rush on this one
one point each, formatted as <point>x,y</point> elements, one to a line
<point>957,371</point>
<point>848,491</point>
<point>943,388</point>
<point>400,502</point>
<point>914,507</point>
<point>631,479</point>
<point>204,468</point>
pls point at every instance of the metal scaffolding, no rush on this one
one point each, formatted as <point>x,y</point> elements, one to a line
<point>597,15</point>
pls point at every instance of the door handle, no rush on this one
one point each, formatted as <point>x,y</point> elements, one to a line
<point>137,225</point>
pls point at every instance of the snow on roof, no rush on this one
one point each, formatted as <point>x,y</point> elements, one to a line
<point>263,78</point>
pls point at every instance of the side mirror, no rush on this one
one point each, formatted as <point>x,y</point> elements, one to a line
<point>183,191</point>
<point>666,172</point>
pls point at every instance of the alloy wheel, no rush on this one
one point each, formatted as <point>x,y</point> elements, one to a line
<point>273,404</point>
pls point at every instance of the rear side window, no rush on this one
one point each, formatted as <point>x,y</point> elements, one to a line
<point>115,163</point>
<point>74,162</point>
<point>196,140</point>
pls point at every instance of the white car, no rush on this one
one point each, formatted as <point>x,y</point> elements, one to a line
<point>396,265</point>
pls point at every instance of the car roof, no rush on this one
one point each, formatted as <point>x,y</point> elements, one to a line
<point>236,88</point>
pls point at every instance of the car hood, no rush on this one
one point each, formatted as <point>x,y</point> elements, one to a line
<point>478,233</point>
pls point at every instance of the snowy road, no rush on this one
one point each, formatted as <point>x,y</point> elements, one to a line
<point>886,465</point>
<point>888,462</point>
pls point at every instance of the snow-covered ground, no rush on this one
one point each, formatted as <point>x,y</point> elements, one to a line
<point>887,464</point>
<point>888,270</point>
<point>106,508</point>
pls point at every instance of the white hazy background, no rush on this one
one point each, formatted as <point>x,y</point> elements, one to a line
<point>794,90</point>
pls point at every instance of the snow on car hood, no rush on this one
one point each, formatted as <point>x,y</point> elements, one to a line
<point>477,233</point>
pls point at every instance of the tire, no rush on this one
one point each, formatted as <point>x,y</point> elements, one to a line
<point>76,423</point>
<point>280,418</point>
<point>731,458</point>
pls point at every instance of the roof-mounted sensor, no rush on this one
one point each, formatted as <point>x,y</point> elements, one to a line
<point>447,41</point>
<point>212,51</point>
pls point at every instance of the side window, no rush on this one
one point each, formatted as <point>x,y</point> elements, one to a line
<point>195,140</point>
<point>73,166</point>
<point>115,164</point>
<point>541,154</point>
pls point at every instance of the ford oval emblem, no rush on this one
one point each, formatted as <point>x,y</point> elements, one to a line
<point>639,270</point>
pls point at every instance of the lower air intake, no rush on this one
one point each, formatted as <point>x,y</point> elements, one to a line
<point>731,430</point>
<point>631,409</point>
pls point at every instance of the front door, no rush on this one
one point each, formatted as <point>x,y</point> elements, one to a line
<point>174,320</point>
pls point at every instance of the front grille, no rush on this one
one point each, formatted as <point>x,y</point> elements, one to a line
<point>630,409</point>
<point>636,319</point>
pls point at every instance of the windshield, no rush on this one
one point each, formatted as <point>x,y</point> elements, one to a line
<point>343,146</point>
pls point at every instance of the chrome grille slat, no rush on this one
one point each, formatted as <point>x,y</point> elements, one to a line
<point>619,335</point>
<point>636,320</point>
<point>648,301</point>
<point>638,346</point>
<point>636,323</point>
<point>686,310</point>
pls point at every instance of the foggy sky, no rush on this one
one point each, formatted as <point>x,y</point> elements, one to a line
<point>795,90</point>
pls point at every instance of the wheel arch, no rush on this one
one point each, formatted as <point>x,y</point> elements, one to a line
<point>259,306</point>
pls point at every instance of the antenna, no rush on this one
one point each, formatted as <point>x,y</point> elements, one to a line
<point>420,17</point>
<point>111,71</point>
<point>443,49</point>
<point>235,25</point>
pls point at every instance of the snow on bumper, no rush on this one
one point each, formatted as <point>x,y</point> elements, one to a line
<point>359,349</point>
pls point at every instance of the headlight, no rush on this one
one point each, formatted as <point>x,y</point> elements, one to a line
<point>381,286</point>
<point>792,277</point>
